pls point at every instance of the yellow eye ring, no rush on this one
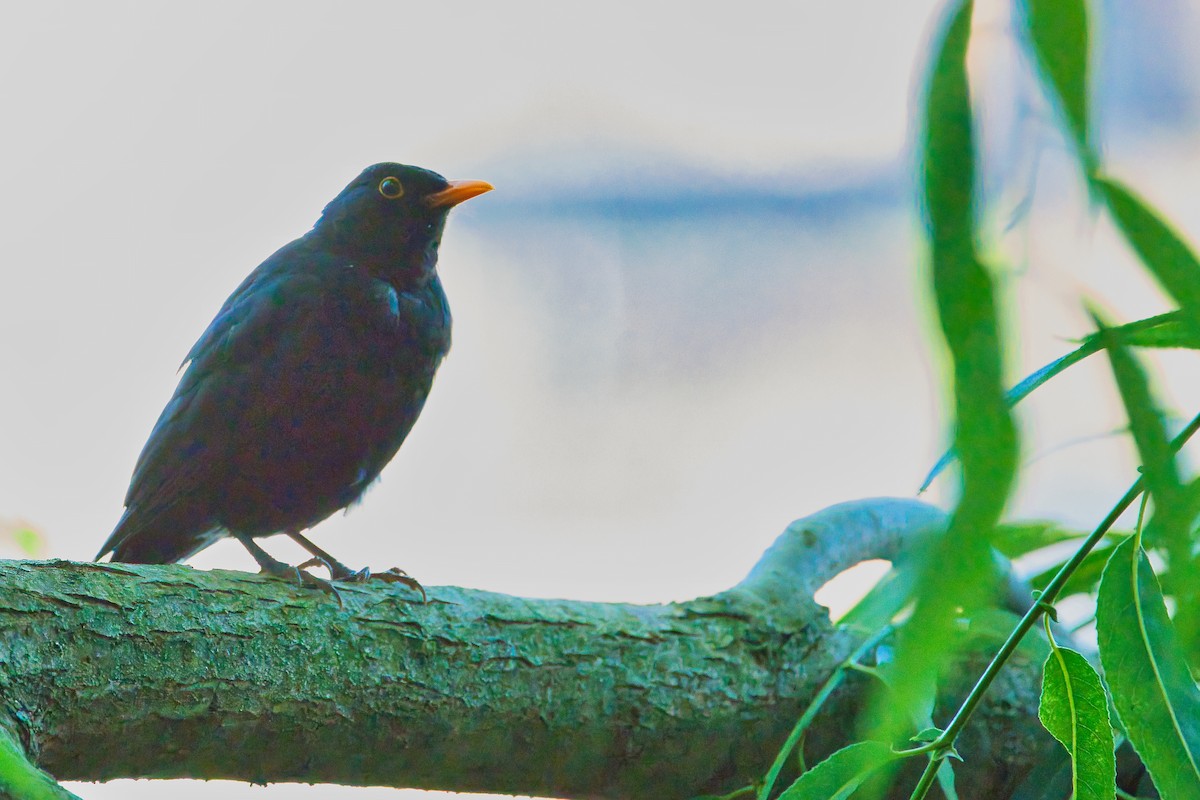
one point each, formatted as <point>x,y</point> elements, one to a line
<point>391,188</point>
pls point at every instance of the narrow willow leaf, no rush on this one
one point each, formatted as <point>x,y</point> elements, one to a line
<point>1153,692</point>
<point>1160,248</point>
<point>990,627</point>
<point>1145,420</point>
<point>945,778</point>
<point>884,601</point>
<point>1074,708</point>
<point>948,458</point>
<point>1171,524</point>
<point>1084,579</point>
<point>1058,32</point>
<point>926,735</point>
<point>1017,539</point>
<point>956,570</point>
<point>1164,330</point>
<point>840,775</point>
<point>1180,578</point>
<point>949,142</point>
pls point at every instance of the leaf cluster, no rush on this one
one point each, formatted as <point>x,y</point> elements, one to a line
<point>1147,698</point>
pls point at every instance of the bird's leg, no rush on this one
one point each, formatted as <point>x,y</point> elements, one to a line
<point>276,568</point>
<point>337,570</point>
<point>340,572</point>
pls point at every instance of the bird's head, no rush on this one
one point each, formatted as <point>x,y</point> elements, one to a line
<point>393,213</point>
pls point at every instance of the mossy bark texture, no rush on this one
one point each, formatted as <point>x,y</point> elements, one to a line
<point>114,670</point>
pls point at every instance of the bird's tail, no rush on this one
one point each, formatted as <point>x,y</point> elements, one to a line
<point>160,537</point>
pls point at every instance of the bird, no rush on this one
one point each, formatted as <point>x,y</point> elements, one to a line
<point>304,385</point>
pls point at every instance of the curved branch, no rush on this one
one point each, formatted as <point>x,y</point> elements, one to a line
<point>118,670</point>
<point>814,549</point>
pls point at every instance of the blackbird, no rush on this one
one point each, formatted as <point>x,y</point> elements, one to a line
<point>304,385</point>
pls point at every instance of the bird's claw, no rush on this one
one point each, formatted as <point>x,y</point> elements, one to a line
<point>397,575</point>
<point>301,577</point>
<point>340,572</point>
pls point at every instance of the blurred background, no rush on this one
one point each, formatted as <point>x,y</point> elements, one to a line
<point>693,310</point>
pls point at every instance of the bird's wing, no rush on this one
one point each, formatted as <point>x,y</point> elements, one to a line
<point>168,497</point>
<point>251,368</point>
<point>282,262</point>
<point>194,431</point>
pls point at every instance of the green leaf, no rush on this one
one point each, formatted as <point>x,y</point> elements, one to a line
<point>1171,524</point>
<point>990,627</point>
<point>945,776</point>
<point>1153,692</point>
<point>927,735</point>
<point>1180,573</point>
<point>884,601</point>
<point>1086,576</point>
<point>1058,32</point>
<point>1145,421</point>
<point>1074,709</point>
<point>1017,539</point>
<point>956,570</point>
<point>20,779</point>
<point>948,160</point>
<point>29,541</point>
<point>1164,330</point>
<point>840,775</point>
<point>1161,249</point>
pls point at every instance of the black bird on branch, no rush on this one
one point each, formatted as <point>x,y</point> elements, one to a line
<point>304,385</point>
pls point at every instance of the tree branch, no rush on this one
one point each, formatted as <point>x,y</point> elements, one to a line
<point>116,670</point>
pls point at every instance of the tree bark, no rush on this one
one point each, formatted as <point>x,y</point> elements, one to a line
<point>120,671</point>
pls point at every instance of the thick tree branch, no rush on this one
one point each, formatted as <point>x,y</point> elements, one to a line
<point>115,670</point>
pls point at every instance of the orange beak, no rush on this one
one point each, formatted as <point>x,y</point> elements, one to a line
<point>457,192</point>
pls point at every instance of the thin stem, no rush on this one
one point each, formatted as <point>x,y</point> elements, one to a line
<point>1050,594</point>
<point>1035,611</point>
<point>831,684</point>
<point>736,793</point>
<point>927,777</point>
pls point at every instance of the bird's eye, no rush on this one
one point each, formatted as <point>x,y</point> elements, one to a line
<point>391,188</point>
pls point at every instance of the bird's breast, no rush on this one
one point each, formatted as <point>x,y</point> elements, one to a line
<point>332,399</point>
<point>407,330</point>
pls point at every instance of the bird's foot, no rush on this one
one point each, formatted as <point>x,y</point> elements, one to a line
<point>397,575</point>
<point>340,572</point>
<point>300,577</point>
<point>337,570</point>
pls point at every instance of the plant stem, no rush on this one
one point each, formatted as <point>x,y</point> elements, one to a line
<point>835,680</point>
<point>1048,596</point>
